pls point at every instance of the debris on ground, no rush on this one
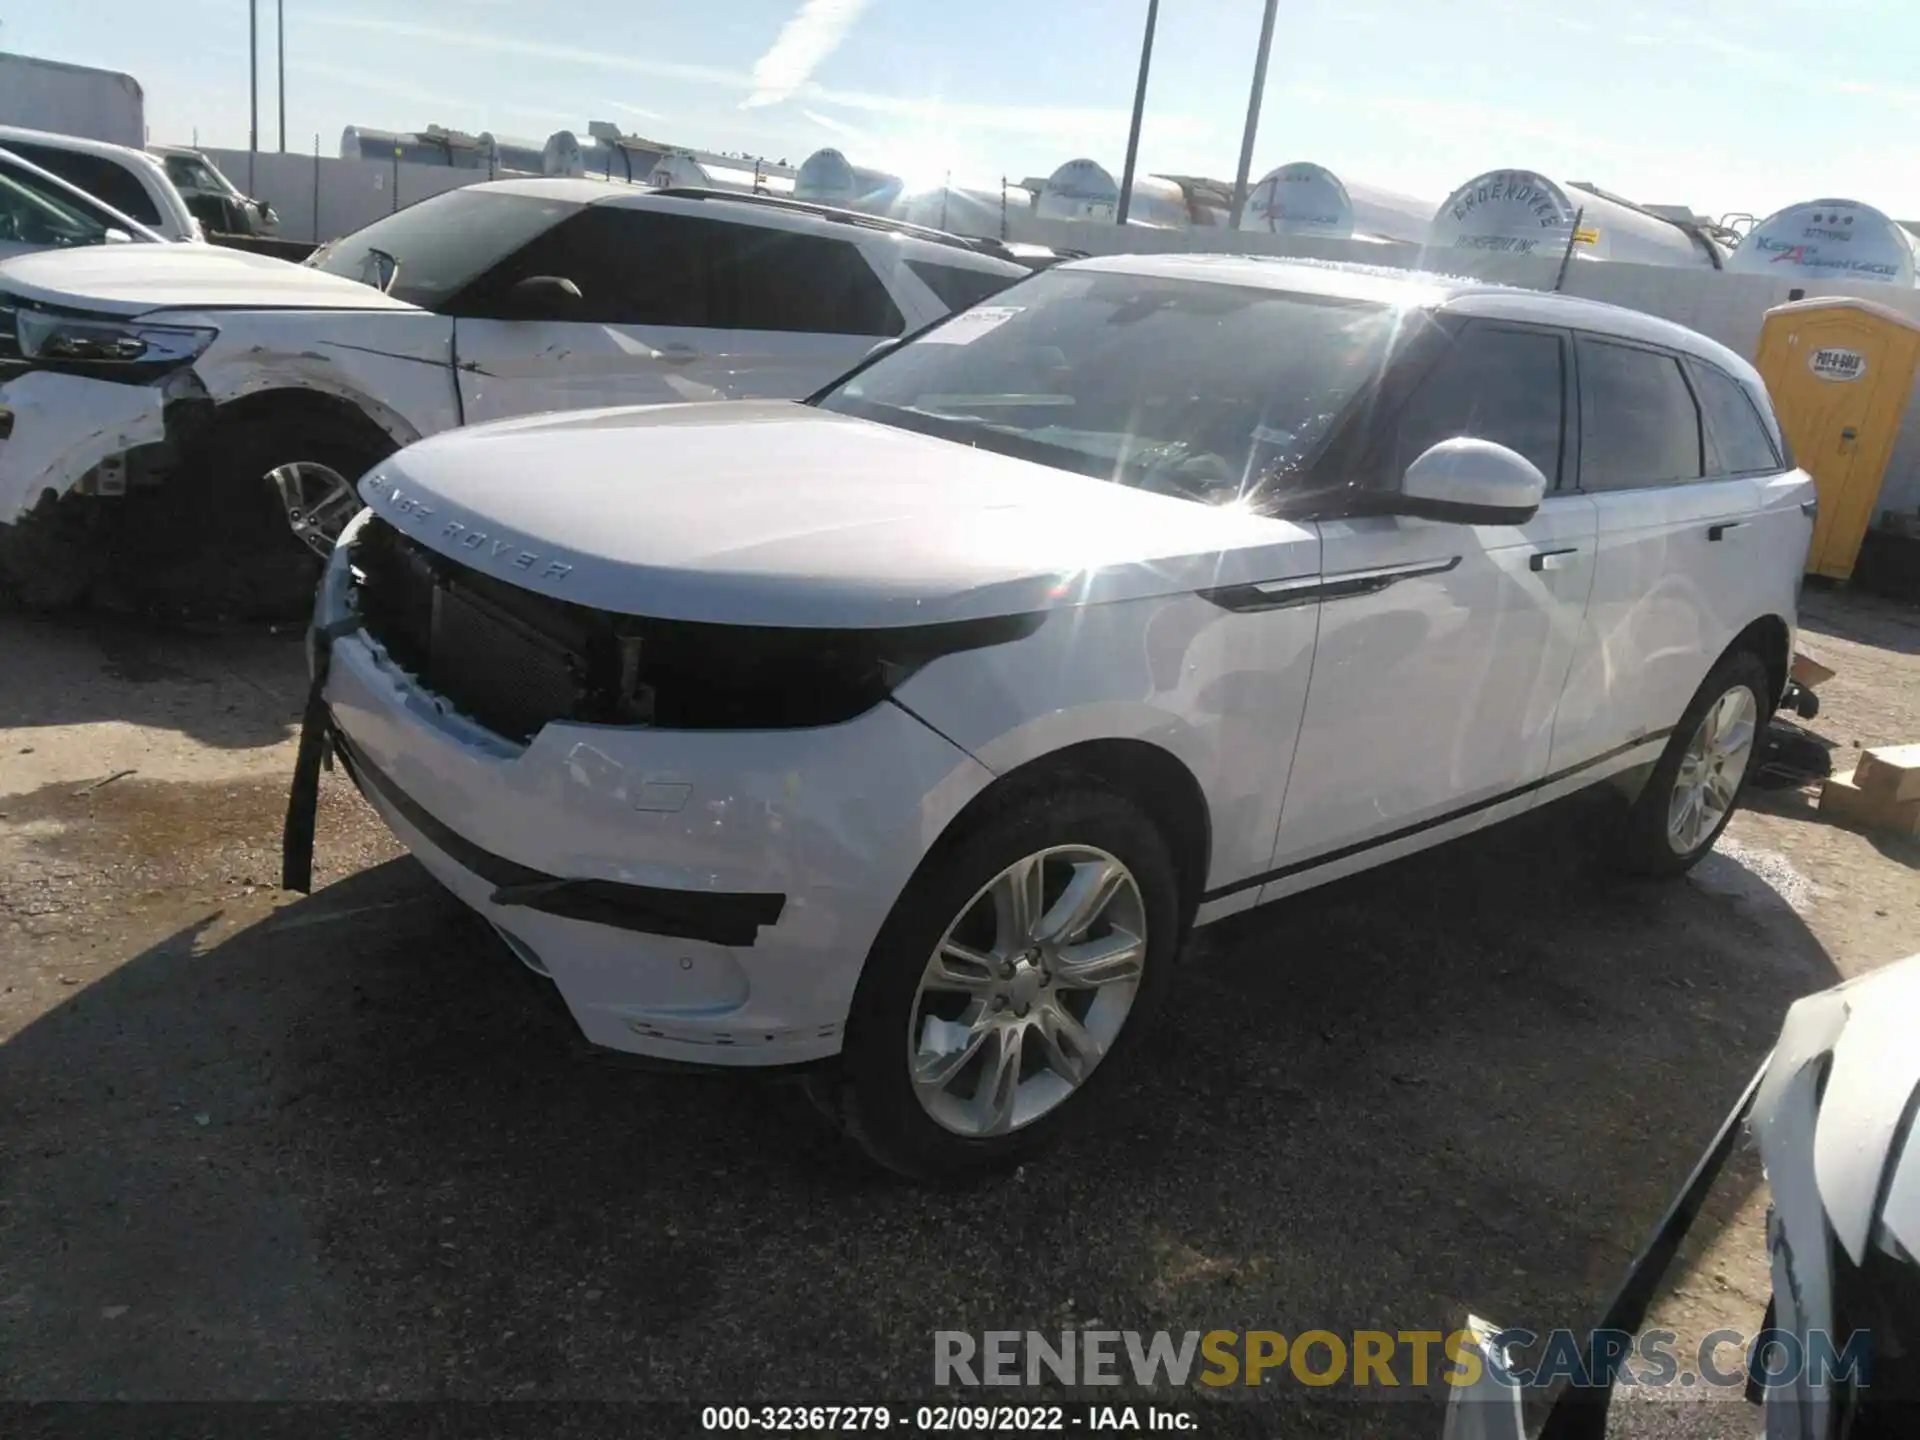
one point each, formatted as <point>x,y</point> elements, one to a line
<point>1882,793</point>
<point>1809,670</point>
<point>93,785</point>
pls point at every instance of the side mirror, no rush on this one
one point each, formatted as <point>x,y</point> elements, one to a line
<point>1472,482</point>
<point>541,297</point>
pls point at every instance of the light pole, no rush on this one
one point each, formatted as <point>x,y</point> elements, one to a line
<point>280,85</point>
<point>1139,106</point>
<point>1253,117</point>
<point>253,87</point>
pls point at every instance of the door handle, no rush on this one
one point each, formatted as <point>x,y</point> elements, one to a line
<point>1551,559</point>
<point>1718,532</point>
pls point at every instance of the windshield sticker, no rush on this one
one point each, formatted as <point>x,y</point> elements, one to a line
<point>965,328</point>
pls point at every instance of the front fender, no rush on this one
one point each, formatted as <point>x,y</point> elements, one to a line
<point>1220,691</point>
<point>395,368</point>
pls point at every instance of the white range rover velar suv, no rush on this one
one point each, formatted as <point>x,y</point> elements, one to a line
<point>904,732</point>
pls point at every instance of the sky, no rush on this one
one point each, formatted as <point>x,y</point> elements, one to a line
<point>1723,105</point>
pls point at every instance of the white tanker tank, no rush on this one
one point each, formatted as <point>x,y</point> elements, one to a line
<point>1521,212</point>
<point>1828,240</point>
<point>710,172</point>
<point>437,145</point>
<point>1085,190</point>
<point>562,155</point>
<point>1308,199</point>
<point>964,209</point>
<point>827,177</point>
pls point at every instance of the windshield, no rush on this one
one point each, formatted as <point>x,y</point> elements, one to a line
<point>1214,392</point>
<point>30,215</point>
<point>190,172</point>
<point>441,244</point>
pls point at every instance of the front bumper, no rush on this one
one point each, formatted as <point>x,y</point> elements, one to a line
<point>59,429</point>
<point>701,896</point>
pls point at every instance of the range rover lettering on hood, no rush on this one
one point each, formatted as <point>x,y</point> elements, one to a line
<point>773,513</point>
<point>453,538</point>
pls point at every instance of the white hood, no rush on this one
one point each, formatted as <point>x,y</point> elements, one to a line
<point>137,279</point>
<point>775,513</point>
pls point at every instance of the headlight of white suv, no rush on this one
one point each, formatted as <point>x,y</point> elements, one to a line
<point>111,349</point>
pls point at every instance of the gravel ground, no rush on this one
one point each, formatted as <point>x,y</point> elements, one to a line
<point>257,1146</point>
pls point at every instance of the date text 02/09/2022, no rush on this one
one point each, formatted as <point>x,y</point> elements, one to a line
<point>949,1419</point>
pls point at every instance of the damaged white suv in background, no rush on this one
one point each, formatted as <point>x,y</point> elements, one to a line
<point>905,732</point>
<point>193,419</point>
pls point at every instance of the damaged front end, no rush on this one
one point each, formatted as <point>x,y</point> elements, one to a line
<point>93,410</point>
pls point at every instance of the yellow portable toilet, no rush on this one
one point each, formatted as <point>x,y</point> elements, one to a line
<point>1840,372</point>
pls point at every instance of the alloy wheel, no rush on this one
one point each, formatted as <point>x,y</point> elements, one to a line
<point>1711,770</point>
<point>318,501</point>
<point>1027,990</point>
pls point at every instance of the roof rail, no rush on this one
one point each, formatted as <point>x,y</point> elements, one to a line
<point>981,245</point>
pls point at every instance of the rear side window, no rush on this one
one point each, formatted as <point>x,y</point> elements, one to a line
<point>1491,384</point>
<point>649,267</point>
<point>765,279</point>
<point>1741,445</point>
<point>958,288</point>
<point>1638,423</point>
<point>98,176</point>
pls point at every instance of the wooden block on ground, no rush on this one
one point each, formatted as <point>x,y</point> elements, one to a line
<point>1892,771</point>
<point>1844,800</point>
<point>1809,671</point>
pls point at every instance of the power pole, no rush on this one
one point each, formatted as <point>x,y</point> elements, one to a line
<point>1139,107</point>
<point>1253,116</point>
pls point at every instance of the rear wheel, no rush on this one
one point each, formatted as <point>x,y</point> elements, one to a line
<point>1700,777</point>
<point>1015,972</point>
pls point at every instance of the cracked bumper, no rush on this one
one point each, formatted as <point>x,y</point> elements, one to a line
<point>692,832</point>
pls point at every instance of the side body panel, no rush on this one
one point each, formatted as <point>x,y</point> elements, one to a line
<point>1673,584</point>
<point>1435,695</point>
<point>523,367</point>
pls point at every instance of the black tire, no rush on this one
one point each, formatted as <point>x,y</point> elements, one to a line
<point>220,541</point>
<point>51,556</point>
<point>1642,846</point>
<point>870,1093</point>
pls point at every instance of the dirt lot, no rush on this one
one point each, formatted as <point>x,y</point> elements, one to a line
<point>258,1146</point>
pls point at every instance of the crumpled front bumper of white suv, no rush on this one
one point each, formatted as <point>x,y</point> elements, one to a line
<point>697,896</point>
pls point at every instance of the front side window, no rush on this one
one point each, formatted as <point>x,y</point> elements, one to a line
<point>34,214</point>
<point>1638,423</point>
<point>1213,392</point>
<point>1740,440</point>
<point>95,174</point>
<point>1491,383</point>
<point>427,253</point>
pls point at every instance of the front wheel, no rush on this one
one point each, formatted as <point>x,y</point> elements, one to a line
<point>1016,971</point>
<point>1699,779</point>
